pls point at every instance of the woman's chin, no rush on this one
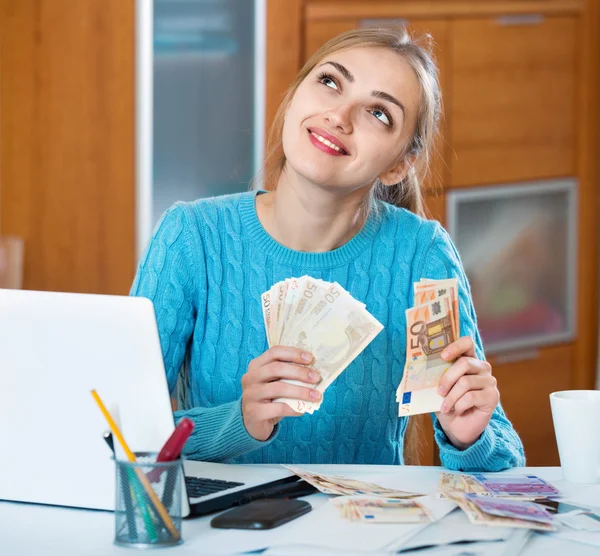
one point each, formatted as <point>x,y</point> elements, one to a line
<point>316,174</point>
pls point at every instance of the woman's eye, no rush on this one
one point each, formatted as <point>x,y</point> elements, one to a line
<point>329,82</point>
<point>381,115</point>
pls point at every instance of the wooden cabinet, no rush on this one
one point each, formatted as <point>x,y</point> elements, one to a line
<point>67,148</point>
<point>525,381</point>
<point>512,83</point>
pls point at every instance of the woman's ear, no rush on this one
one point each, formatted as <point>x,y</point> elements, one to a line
<point>399,171</point>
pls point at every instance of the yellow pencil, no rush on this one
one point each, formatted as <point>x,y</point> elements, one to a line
<point>164,515</point>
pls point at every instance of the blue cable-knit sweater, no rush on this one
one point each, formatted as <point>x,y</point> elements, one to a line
<point>205,269</point>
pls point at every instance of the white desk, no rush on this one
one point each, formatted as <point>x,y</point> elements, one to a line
<point>32,529</point>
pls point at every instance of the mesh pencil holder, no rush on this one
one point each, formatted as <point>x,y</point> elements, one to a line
<point>148,502</point>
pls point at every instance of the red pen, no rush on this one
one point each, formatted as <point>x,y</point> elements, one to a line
<point>173,446</point>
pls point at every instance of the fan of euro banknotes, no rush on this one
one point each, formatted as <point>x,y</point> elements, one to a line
<point>321,318</point>
<point>431,324</point>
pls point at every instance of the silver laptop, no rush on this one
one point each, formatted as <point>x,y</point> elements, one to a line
<point>54,349</point>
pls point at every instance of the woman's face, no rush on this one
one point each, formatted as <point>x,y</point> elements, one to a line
<point>363,103</point>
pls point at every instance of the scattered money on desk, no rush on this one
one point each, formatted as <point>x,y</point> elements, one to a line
<point>431,325</point>
<point>522,487</point>
<point>321,318</point>
<point>334,484</point>
<point>379,510</point>
<point>494,512</point>
<point>501,500</point>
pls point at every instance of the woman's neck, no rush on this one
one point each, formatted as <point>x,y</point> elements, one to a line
<point>305,217</point>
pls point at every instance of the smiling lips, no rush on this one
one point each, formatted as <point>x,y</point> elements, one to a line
<point>327,143</point>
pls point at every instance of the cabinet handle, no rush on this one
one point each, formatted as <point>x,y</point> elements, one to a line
<point>520,19</point>
<point>382,22</point>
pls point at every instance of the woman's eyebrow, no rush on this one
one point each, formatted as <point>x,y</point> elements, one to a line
<point>342,69</point>
<point>389,98</point>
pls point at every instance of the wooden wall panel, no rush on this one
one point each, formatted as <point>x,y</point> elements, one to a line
<point>67,141</point>
<point>284,43</point>
<point>435,205</point>
<point>588,115</point>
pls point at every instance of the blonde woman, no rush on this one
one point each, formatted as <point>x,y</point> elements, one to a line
<point>341,202</point>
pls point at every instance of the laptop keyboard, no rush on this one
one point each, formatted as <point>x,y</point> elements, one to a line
<point>199,486</point>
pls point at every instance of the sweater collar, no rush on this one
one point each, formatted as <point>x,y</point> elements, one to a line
<point>328,259</point>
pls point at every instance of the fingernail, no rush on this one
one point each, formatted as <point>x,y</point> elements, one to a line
<point>443,408</point>
<point>445,354</point>
<point>307,356</point>
<point>315,394</point>
<point>313,376</point>
<point>441,389</point>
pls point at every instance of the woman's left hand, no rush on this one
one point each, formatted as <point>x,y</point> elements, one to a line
<point>470,394</point>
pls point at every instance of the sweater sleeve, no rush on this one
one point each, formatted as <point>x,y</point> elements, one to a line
<point>172,274</point>
<point>499,446</point>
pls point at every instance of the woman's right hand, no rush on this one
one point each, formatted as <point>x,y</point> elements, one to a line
<point>261,385</point>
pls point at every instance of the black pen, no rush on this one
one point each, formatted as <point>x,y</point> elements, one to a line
<point>108,438</point>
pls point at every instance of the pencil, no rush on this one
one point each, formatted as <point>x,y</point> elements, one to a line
<point>158,505</point>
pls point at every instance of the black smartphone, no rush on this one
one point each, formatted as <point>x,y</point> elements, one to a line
<point>261,514</point>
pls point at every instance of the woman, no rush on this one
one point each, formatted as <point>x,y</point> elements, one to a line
<point>356,124</point>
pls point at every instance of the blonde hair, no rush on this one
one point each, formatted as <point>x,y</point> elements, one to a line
<point>406,194</point>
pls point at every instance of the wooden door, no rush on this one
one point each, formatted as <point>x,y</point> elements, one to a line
<point>513,98</point>
<point>67,152</point>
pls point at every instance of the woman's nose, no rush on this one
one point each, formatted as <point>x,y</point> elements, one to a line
<point>340,117</point>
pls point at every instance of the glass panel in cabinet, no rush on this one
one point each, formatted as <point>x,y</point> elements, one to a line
<point>205,129</point>
<point>518,246</point>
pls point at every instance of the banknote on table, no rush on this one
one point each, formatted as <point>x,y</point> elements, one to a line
<point>492,512</point>
<point>458,482</point>
<point>322,318</point>
<point>430,327</point>
<point>516,509</point>
<point>335,484</point>
<point>370,509</point>
<point>520,487</point>
<point>524,487</point>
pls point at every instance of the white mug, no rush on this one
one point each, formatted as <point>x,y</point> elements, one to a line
<point>576,416</point>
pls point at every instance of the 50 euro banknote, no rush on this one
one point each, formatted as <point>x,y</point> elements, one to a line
<point>430,327</point>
